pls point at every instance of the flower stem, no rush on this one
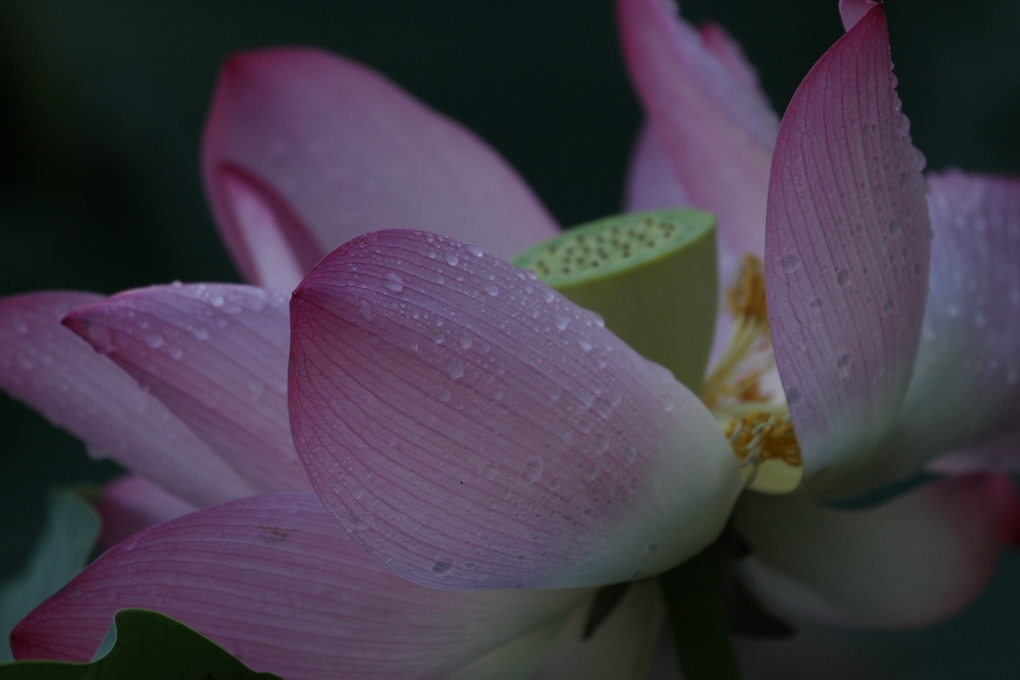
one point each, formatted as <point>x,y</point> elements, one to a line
<point>697,613</point>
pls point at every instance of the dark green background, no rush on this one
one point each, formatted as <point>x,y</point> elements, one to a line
<point>101,107</point>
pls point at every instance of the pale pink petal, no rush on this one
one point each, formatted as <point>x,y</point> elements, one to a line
<point>216,356</point>
<point>274,581</point>
<point>966,384</point>
<point>132,504</point>
<point>718,41</point>
<point>846,254</point>
<point>55,372</point>
<point>652,183</point>
<point>348,152</point>
<point>474,429</point>
<point>717,130</point>
<point>852,11</point>
<point>909,562</point>
<point>1000,453</point>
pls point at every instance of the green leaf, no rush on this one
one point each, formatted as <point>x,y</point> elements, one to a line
<point>143,644</point>
<point>71,531</point>
<point>652,276</point>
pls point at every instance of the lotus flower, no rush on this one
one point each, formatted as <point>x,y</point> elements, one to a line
<point>473,429</point>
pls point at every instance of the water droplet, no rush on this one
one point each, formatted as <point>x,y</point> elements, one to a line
<point>790,263</point>
<point>564,437</point>
<point>793,396</point>
<point>953,311</point>
<point>451,258</point>
<point>843,278</point>
<point>466,341</point>
<point>357,492</point>
<point>815,305</point>
<point>473,249</point>
<point>895,228</point>
<point>154,340</point>
<point>491,289</point>
<point>844,363</point>
<point>591,471</point>
<point>532,470</point>
<point>200,333</point>
<point>443,394</point>
<point>668,405</point>
<point>490,471</point>
<point>437,335</point>
<point>887,307</point>
<point>366,311</point>
<point>554,484</point>
<point>393,282</point>
<point>980,320</point>
<point>216,300</point>
<point>601,443</point>
<point>554,392</point>
<point>175,352</point>
<point>455,369</point>
<point>584,345</point>
<point>442,566</point>
<point>629,455</point>
<point>561,321</point>
<point>548,295</point>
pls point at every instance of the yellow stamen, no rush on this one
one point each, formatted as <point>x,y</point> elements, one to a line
<point>746,299</point>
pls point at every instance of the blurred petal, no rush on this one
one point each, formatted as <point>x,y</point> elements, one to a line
<point>275,582</point>
<point>846,254</point>
<point>215,355</point>
<point>132,504</point>
<point>731,54</point>
<point>852,11</point>
<point>652,183</point>
<point>966,384</point>
<point>716,129</point>
<point>910,562</point>
<point>473,428</point>
<point>349,152</point>
<point>995,454</point>
<point>620,649</point>
<point>55,372</point>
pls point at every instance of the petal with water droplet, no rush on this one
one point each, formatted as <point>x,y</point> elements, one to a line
<point>966,384</point>
<point>51,369</point>
<point>544,519</point>
<point>844,170</point>
<point>349,152</point>
<point>229,388</point>
<point>271,575</point>
<point>909,562</point>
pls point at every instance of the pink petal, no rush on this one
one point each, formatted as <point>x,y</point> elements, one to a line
<point>349,152</point>
<point>966,382</point>
<point>910,562</point>
<point>718,130</point>
<point>474,429</point>
<point>652,183</point>
<point>55,372</point>
<point>216,356</point>
<point>132,504</point>
<point>999,453</point>
<point>846,254</point>
<point>274,581</point>
<point>852,11</point>
<point>720,43</point>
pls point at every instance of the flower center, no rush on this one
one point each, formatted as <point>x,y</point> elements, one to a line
<point>756,423</point>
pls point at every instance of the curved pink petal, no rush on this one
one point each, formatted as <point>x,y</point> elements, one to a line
<point>910,562</point>
<point>216,356</point>
<point>846,254</point>
<point>852,11</point>
<point>132,504</point>
<point>274,581</point>
<point>966,384</point>
<point>720,43</point>
<point>718,130</point>
<point>474,429</point>
<point>58,374</point>
<point>349,152</point>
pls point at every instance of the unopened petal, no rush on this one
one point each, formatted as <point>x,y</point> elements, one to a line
<point>717,130</point>
<point>215,355</point>
<point>327,149</point>
<point>274,581</point>
<point>846,254</point>
<point>909,562</point>
<point>966,385</point>
<point>55,372</point>
<point>473,428</point>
